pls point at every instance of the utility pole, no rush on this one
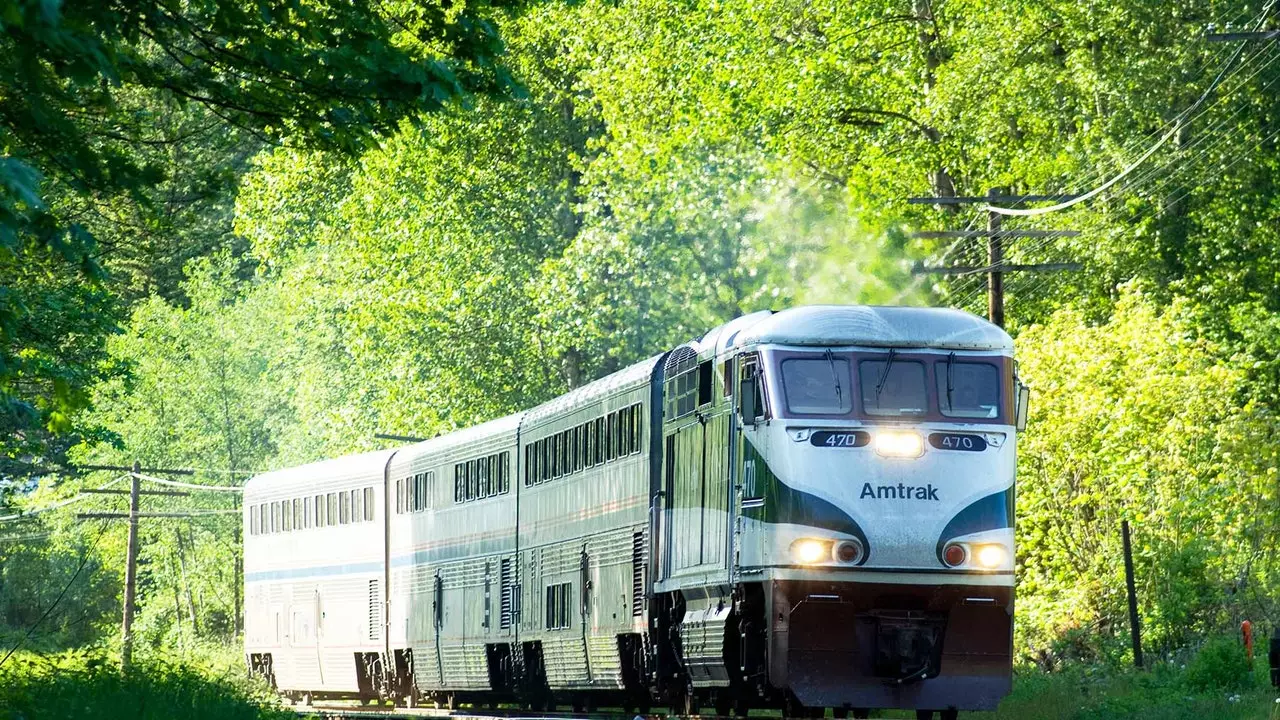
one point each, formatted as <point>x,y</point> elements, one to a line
<point>995,256</point>
<point>1135,626</point>
<point>135,493</point>
<point>995,235</point>
<point>130,571</point>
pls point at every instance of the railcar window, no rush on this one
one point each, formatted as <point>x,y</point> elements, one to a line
<point>419,491</point>
<point>599,440</point>
<point>575,448</point>
<point>253,520</point>
<point>344,508</point>
<point>559,606</point>
<point>482,487</point>
<point>357,506</point>
<point>893,387</point>
<point>624,432</point>
<point>307,513</point>
<point>608,438</point>
<point>459,484</point>
<point>528,465</point>
<point>818,385</point>
<point>566,449</point>
<point>368,503</point>
<point>505,467</point>
<point>286,517</point>
<point>297,513</point>
<point>333,508</point>
<point>321,516</point>
<point>967,389</point>
<point>588,445</point>
<point>545,462</point>
<point>275,516</point>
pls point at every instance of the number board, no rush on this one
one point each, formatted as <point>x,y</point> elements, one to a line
<point>840,438</point>
<point>958,441</point>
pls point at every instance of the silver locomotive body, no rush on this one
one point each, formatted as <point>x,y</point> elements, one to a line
<point>809,508</point>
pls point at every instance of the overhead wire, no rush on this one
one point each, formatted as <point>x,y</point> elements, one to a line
<point>191,486</point>
<point>23,514</point>
<point>1177,125</point>
<point>84,560</point>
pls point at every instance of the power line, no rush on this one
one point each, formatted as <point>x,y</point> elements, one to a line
<point>84,560</point>
<point>193,486</point>
<point>1178,123</point>
<point>22,515</point>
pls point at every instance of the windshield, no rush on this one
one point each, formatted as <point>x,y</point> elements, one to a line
<point>893,387</point>
<point>968,389</point>
<point>817,386</point>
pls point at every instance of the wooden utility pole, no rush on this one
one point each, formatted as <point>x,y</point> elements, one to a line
<point>995,235</point>
<point>1135,627</point>
<point>130,572</point>
<point>995,256</point>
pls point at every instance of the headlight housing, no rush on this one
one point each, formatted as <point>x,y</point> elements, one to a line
<point>991,556</point>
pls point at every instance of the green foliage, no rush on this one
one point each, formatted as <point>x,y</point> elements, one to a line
<point>1220,665</point>
<point>89,685</point>
<point>1142,419</point>
<point>123,130</point>
<point>1090,693</point>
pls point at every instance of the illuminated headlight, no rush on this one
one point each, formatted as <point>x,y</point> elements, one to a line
<point>809,551</point>
<point>899,443</point>
<point>991,556</point>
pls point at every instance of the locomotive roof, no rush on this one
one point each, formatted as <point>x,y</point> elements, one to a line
<point>875,326</point>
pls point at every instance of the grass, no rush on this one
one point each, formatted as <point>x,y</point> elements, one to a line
<point>86,686</point>
<point>1161,694</point>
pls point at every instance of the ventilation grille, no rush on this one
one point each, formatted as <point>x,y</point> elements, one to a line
<point>375,611</point>
<point>508,594</point>
<point>681,359</point>
<point>637,573</point>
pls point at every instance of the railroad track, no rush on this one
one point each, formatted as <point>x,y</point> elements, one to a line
<point>341,711</point>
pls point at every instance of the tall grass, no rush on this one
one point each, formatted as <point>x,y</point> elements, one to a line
<point>86,686</point>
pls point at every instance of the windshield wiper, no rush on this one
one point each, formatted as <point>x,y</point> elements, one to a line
<point>831,363</point>
<point>950,386</point>
<point>884,374</point>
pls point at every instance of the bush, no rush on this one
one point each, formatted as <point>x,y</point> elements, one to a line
<point>89,685</point>
<point>1219,665</point>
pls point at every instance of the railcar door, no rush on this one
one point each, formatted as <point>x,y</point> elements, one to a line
<point>695,469</point>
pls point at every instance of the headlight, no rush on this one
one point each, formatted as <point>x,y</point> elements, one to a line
<point>992,556</point>
<point>808,551</point>
<point>847,551</point>
<point>899,443</point>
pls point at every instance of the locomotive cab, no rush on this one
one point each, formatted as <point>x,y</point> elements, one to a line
<point>874,538</point>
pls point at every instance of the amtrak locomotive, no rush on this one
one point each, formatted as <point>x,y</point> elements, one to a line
<point>802,509</point>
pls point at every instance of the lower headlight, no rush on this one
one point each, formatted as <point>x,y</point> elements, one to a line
<point>899,443</point>
<point>991,556</point>
<point>808,551</point>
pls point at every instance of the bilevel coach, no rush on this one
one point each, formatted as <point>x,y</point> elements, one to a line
<point>802,509</point>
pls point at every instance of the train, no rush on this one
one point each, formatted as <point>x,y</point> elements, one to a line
<point>802,509</point>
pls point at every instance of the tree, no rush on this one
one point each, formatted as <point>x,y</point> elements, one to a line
<point>93,96</point>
